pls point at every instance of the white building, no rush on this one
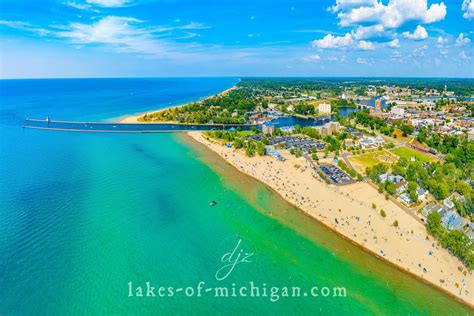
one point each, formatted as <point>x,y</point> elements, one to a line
<point>470,134</point>
<point>324,108</point>
<point>397,111</point>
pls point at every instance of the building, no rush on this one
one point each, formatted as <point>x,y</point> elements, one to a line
<point>371,91</point>
<point>400,187</point>
<point>376,112</point>
<point>433,207</point>
<point>470,134</point>
<point>268,128</point>
<point>421,194</point>
<point>324,108</point>
<point>328,128</point>
<point>451,221</point>
<point>448,203</point>
<point>378,104</point>
<point>390,177</point>
<point>397,111</point>
<point>273,152</point>
<point>335,127</point>
<point>405,198</point>
<point>369,142</point>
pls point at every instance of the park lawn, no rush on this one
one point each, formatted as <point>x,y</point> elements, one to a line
<point>408,153</point>
<point>362,161</point>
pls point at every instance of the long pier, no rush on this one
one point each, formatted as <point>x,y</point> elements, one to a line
<point>111,127</point>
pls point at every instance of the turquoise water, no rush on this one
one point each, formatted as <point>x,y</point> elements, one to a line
<point>81,215</point>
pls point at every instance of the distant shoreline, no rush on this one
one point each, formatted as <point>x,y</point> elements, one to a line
<point>133,119</point>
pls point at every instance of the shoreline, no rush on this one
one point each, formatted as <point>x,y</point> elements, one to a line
<point>133,119</point>
<point>452,264</point>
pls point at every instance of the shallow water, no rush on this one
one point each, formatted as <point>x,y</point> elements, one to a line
<point>81,215</point>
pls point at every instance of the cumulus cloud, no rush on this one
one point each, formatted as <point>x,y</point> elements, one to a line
<point>364,45</point>
<point>393,44</point>
<point>468,9</point>
<point>366,32</point>
<point>392,15</point>
<point>420,33</point>
<point>342,42</point>
<point>343,5</point>
<point>331,41</point>
<point>461,40</point>
<point>441,40</point>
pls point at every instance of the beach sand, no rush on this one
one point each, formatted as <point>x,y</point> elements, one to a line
<point>133,119</point>
<point>348,211</point>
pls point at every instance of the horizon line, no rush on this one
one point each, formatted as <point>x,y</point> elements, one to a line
<point>239,77</point>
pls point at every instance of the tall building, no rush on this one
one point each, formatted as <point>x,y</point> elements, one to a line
<point>335,127</point>
<point>378,104</point>
<point>324,108</point>
<point>268,128</point>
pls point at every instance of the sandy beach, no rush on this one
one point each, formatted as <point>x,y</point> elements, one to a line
<point>348,211</point>
<point>133,119</point>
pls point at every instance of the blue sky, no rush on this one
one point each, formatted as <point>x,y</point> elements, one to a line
<point>130,38</point>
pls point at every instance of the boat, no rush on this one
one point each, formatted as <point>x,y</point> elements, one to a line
<point>213,203</point>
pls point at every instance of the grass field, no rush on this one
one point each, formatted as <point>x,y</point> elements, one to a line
<point>363,161</point>
<point>408,153</point>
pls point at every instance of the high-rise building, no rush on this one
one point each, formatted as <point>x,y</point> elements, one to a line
<point>378,104</point>
<point>324,108</point>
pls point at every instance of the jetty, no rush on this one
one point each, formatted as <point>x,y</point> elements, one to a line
<point>113,127</point>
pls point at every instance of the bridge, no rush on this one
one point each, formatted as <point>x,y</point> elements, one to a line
<point>111,127</point>
<point>361,106</point>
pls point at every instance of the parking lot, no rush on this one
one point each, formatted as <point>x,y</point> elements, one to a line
<point>335,174</point>
<point>305,144</point>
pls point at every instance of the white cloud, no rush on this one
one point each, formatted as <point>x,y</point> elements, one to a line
<point>464,56</point>
<point>25,26</point>
<point>109,3</point>
<point>397,57</point>
<point>314,57</point>
<point>363,61</point>
<point>420,51</point>
<point>461,40</point>
<point>366,32</point>
<point>468,9</point>
<point>129,35</point>
<point>394,14</point>
<point>341,59</point>
<point>419,34</point>
<point>364,45</point>
<point>331,41</point>
<point>342,42</point>
<point>195,26</point>
<point>393,44</point>
<point>441,40</point>
<point>343,5</point>
<point>77,5</point>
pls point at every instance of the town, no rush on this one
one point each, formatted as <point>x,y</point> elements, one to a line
<point>414,144</point>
